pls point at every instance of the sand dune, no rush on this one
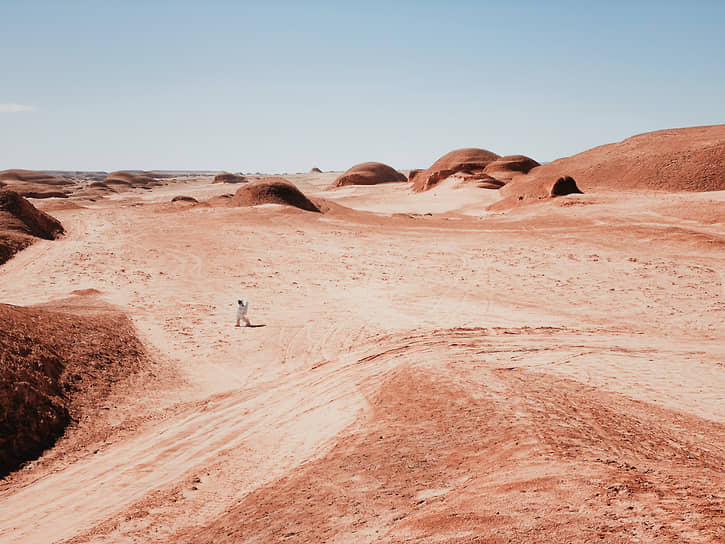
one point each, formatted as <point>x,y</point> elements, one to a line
<point>433,443</point>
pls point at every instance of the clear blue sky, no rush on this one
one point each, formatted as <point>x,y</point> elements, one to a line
<point>284,86</point>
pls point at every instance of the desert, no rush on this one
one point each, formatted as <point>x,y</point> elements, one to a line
<point>474,353</point>
<point>362,272</point>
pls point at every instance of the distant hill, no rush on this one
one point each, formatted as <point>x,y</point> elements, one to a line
<point>686,159</point>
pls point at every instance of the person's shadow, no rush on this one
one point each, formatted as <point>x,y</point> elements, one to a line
<point>251,326</point>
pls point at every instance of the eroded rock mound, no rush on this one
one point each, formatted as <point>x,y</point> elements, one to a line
<point>183,198</point>
<point>133,180</point>
<point>220,200</point>
<point>369,173</point>
<point>226,177</point>
<point>483,180</point>
<point>49,379</point>
<point>98,190</point>
<point>272,190</point>
<point>315,170</point>
<point>687,159</point>
<point>32,184</point>
<point>465,162</point>
<point>413,173</point>
<point>21,224</point>
<point>102,185</point>
<point>510,165</point>
<point>516,193</point>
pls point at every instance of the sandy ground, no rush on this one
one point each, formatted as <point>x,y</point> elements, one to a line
<point>421,370</point>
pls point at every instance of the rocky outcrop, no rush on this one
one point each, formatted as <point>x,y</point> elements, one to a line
<point>465,162</point>
<point>21,224</point>
<point>32,184</point>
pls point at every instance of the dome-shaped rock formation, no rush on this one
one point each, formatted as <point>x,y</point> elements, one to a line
<point>369,173</point>
<point>467,161</point>
<point>505,167</point>
<point>687,159</point>
<point>535,190</point>
<point>133,180</point>
<point>272,190</point>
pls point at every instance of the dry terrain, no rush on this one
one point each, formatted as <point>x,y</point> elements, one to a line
<point>421,369</point>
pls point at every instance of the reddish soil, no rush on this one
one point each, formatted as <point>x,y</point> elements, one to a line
<point>57,365</point>
<point>464,453</point>
<point>369,173</point>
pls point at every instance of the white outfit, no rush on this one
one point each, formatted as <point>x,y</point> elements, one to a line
<point>242,312</point>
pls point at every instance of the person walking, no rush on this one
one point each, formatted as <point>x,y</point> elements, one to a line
<point>242,307</point>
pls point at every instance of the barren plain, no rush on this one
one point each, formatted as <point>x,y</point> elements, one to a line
<point>421,369</point>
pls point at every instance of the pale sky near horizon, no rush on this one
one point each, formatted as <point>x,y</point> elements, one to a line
<point>286,86</point>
